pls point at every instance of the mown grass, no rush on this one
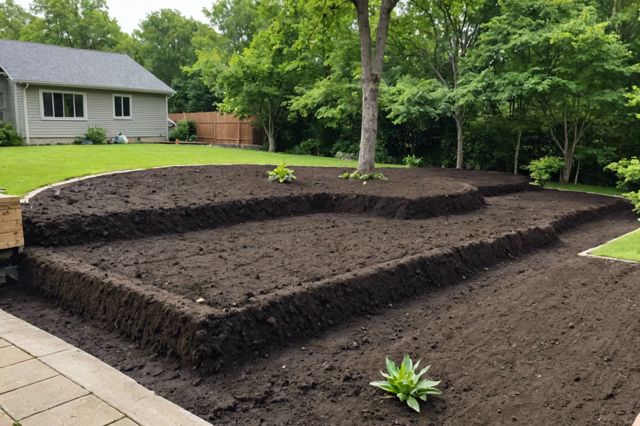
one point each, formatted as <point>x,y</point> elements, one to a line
<point>603,190</point>
<point>626,247</point>
<point>23,169</point>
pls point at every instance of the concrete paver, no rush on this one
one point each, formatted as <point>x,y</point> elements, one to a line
<point>12,355</point>
<point>85,411</point>
<point>35,341</point>
<point>46,381</point>
<point>22,374</point>
<point>40,396</point>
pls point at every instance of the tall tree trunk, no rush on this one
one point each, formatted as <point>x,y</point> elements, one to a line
<point>460,136</point>
<point>575,180</point>
<point>372,59</point>
<point>565,177</point>
<point>369,130</point>
<point>517,153</point>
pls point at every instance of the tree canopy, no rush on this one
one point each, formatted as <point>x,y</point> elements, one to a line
<point>483,84</point>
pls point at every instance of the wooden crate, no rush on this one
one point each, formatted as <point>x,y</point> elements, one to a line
<point>11,235</point>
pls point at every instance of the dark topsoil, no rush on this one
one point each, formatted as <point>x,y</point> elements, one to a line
<point>238,265</point>
<point>547,339</point>
<point>192,186</point>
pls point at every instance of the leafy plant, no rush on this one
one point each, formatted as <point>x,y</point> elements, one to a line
<point>542,169</point>
<point>340,155</point>
<point>184,130</point>
<point>412,161</point>
<point>281,174</point>
<point>97,135</point>
<point>404,382</point>
<point>362,176</point>
<point>628,171</point>
<point>9,136</point>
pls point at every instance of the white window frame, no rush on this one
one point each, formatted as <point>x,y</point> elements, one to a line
<point>63,92</point>
<point>113,106</point>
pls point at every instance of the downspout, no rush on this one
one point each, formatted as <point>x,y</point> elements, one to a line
<point>16,109</point>
<point>26,114</point>
<point>166,120</point>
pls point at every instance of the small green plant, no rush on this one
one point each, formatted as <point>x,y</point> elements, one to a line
<point>9,136</point>
<point>97,135</point>
<point>404,382</point>
<point>340,155</point>
<point>542,169</point>
<point>281,174</point>
<point>362,176</point>
<point>412,161</point>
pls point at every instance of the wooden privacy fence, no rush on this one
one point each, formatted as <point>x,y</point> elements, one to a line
<point>222,129</point>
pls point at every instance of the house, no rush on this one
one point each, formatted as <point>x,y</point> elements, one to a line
<point>53,94</point>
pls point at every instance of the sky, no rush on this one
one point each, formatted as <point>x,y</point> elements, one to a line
<point>130,12</point>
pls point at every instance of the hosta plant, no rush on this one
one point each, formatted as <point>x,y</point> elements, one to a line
<point>412,161</point>
<point>404,382</point>
<point>362,176</point>
<point>281,174</point>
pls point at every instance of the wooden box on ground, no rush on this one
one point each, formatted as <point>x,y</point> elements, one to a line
<point>11,235</point>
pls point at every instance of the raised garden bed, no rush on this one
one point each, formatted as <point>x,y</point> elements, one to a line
<point>277,284</point>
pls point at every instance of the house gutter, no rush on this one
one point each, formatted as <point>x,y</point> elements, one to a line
<point>26,114</point>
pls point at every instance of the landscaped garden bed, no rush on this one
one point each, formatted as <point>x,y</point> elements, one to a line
<point>224,292</point>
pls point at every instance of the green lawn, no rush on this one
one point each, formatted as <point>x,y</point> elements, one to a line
<point>23,169</point>
<point>604,190</point>
<point>627,248</point>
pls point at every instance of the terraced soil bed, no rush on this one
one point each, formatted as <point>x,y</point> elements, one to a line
<point>174,200</point>
<point>548,339</point>
<point>250,302</point>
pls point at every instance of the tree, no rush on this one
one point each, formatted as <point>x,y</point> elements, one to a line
<point>437,35</point>
<point>83,24</point>
<point>372,61</point>
<point>13,18</point>
<point>564,61</point>
<point>634,98</point>
<point>165,47</point>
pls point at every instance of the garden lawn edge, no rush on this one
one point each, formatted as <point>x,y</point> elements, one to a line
<point>210,338</point>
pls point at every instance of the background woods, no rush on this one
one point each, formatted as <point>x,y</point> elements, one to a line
<point>480,84</point>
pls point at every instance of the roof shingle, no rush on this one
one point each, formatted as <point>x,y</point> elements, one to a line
<point>62,66</point>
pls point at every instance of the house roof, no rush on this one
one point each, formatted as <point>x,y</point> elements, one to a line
<point>37,63</point>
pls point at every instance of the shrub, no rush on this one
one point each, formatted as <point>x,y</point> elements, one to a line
<point>405,383</point>
<point>281,174</point>
<point>628,172</point>
<point>340,155</point>
<point>97,135</point>
<point>412,161</point>
<point>184,131</point>
<point>362,176</point>
<point>542,169</point>
<point>9,136</point>
<point>307,146</point>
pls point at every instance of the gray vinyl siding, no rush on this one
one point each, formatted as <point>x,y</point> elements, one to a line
<point>7,88</point>
<point>148,115</point>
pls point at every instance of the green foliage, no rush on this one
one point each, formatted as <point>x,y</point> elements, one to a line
<point>412,161</point>
<point>84,24</point>
<point>406,384</point>
<point>184,130</point>
<point>281,174</point>
<point>97,135</point>
<point>628,172</point>
<point>634,197</point>
<point>13,18</point>
<point>9,136</point>
<point>634,98</point>
<point>345,156</point>
<point>362,176</point>
<point>542,169</point>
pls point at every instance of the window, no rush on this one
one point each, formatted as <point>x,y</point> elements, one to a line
<point>1,99</point>
<point>121,106</point>
<point>63,105</point>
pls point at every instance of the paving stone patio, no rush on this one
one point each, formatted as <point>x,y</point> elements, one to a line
<point>46,381</point>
